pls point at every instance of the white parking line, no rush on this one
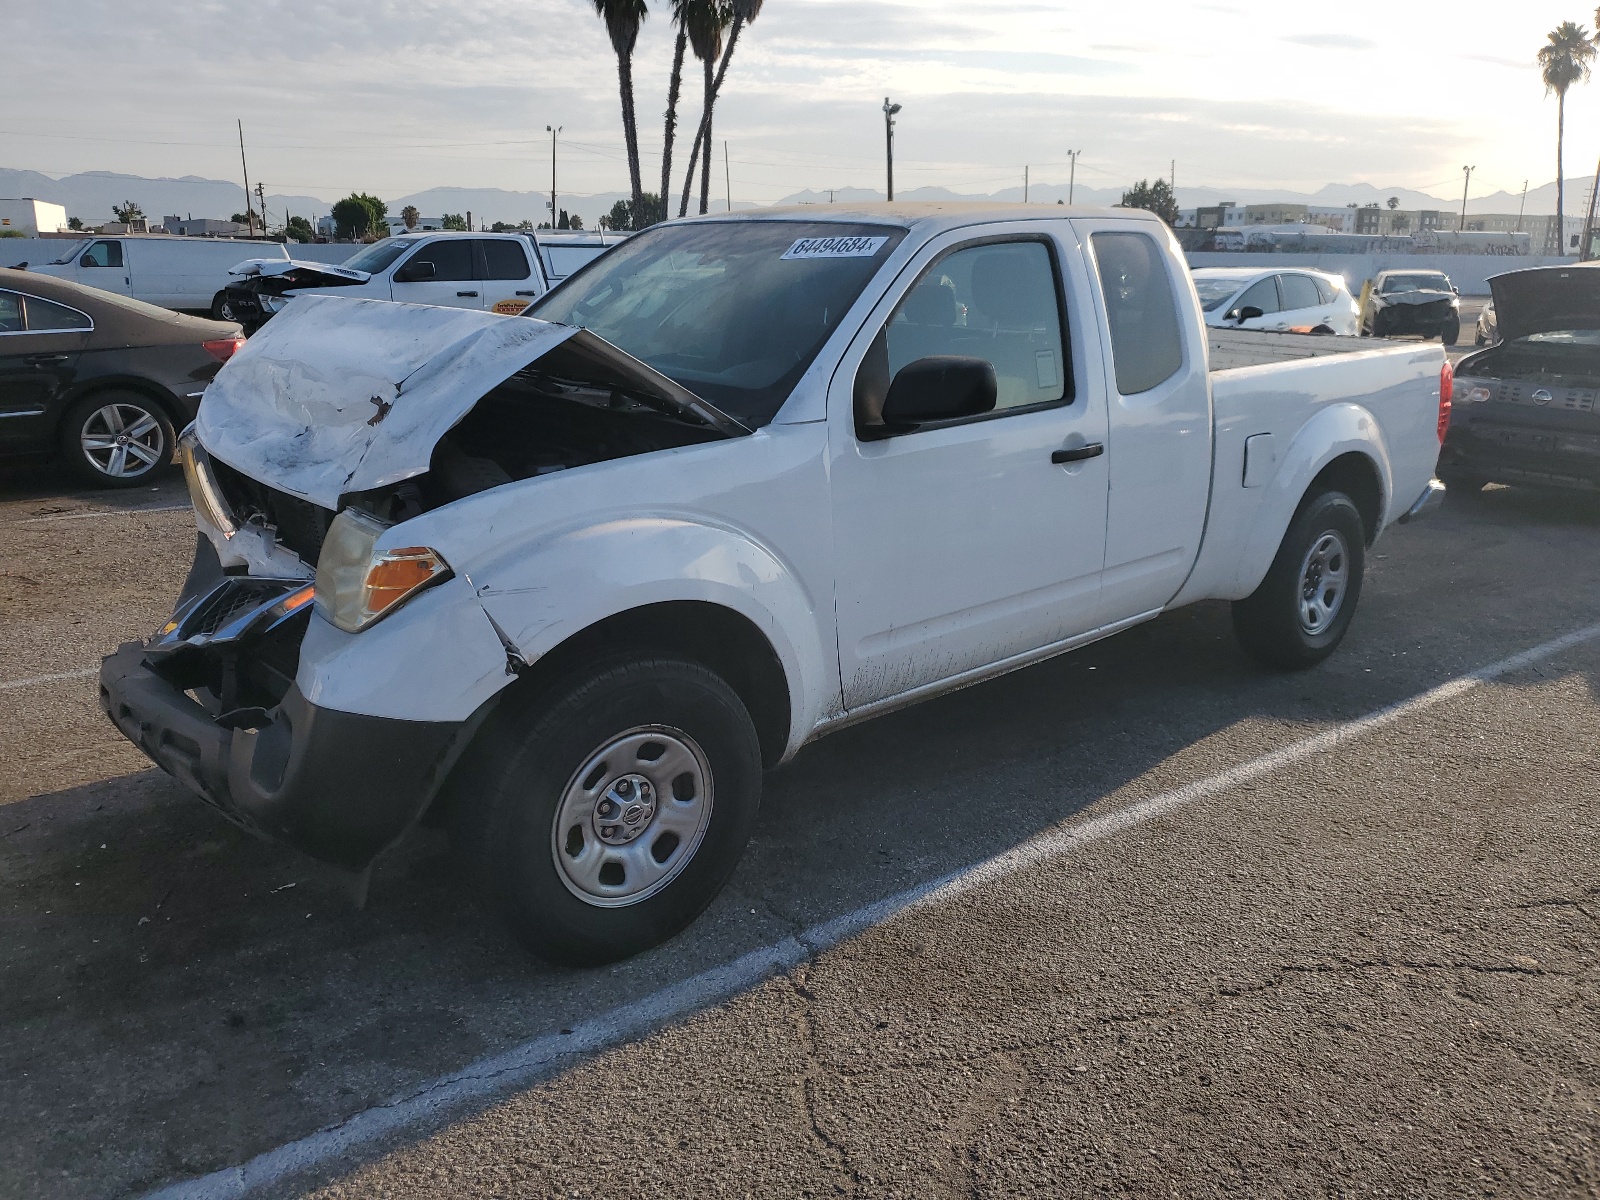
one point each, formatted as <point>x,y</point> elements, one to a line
<point>538,1059</point>
<point>11,685</point>
<point>101,512</point>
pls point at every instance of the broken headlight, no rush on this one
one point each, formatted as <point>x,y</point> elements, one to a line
<point>358,584</point>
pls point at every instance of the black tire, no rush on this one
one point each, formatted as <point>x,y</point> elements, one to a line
<point>1269,623</point>
<point>1451,333</point>
<point>505,820</point>
<point>1479,340</point>
<point>220,309</point>
<point>100,468</point>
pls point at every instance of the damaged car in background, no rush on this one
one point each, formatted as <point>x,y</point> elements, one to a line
<point>568,584</point>
<point>1525,410</point>
<point>1425,303</point>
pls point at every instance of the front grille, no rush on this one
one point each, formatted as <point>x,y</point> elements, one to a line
<point>300,525</point>
<point>238,596</point>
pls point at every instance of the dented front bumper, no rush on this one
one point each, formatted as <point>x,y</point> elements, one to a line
<point>339,786</point>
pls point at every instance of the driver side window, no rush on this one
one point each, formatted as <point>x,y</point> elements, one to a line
<point>997,302</point>
<point>102,254</point>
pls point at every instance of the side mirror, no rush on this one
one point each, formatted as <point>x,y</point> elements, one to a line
<point>1248,313</point>
<point>416,272</point>
<point>941,387</point>
<point>87,261</point>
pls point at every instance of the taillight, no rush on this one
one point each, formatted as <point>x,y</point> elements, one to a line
<point>223,348</point>
<point>1447,391</point>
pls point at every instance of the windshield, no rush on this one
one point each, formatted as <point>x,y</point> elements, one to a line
<point>77,248</point>
<point>1214,293</point>
<point>377,256</point>
<point>733,311</point>
<point>1416,283</point>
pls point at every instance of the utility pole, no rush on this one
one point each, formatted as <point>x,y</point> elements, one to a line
<point>249,205</point>
<point>1588,220</point>
<point>1174,179</point>
<point>1467,171</point>
<point>1524,207</point>
<point>889,111</point>
<point>1072,179</point>
<point>552,130</point>
<point>261,195</point>
<point>727,175</point>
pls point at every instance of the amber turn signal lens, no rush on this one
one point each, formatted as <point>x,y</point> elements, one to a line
<point>398,573</point>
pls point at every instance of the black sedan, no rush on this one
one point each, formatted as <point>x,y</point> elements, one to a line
<point>101,380</point>
<point>1527,411</point>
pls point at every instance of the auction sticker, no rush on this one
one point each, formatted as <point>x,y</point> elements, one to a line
<point>835,247</point>
<point>510,308</point>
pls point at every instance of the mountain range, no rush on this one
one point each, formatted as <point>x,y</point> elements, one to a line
<point>91,194</point>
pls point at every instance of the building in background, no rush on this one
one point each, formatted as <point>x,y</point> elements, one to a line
<point>203,227</point>
<point>32,218</point>
<point>423,225</point>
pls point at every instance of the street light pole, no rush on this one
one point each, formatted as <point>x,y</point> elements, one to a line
<point>1467,171</point>
<point>889,111</point>
<point>1072,178</point>
<point>552,130</point>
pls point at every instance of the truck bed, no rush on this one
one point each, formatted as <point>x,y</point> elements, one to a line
<point>1232,349</point>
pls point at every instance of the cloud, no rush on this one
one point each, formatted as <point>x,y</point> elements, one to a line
<point>1332,41</point>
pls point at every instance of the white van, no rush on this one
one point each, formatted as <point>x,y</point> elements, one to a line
<point>188,274</point>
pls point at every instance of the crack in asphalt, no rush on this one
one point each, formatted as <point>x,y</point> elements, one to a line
<point>799,981</point>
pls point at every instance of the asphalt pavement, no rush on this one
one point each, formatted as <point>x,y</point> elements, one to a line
<point>1209,956</point>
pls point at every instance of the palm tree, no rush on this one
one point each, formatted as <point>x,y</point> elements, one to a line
<point>707,21</point>
<point>410,216</point>
<point>623,19</point>
<point>743,12</point>
<point>680,18</point>
<point>1563,61</point>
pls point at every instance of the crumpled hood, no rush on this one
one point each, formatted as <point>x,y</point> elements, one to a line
<point>1546,300</point>
<point>338,394</point>
<point>1430,296</point>
<point>270,268</point>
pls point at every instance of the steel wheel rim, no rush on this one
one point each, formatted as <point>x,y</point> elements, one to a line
<point>632,816</point>
<point>123,441</point>
<point>1324,582</point>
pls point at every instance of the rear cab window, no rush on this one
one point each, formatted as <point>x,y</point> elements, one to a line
<point>504,259</point>
<point>1146,339</point>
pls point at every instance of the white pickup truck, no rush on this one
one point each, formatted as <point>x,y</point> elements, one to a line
<point>570,583</point>
<point>501,272</point>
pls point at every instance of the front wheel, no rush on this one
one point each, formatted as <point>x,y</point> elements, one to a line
<point>611,813</point>
<point>1451,333</point>
<point>1299,614</point>
<point>117,439</point>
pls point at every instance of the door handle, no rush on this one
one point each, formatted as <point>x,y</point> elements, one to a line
<point>466,293</point>
<point>527,293</point>
<point>45,360</point>
<point>1078,453</point>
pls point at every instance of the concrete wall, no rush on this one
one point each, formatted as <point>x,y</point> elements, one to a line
<point>1469,272</point>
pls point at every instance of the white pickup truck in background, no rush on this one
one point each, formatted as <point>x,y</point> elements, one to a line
<point>501,272</point>
<point>570,583</point>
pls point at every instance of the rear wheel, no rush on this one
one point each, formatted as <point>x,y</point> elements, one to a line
<point>608,815</point>
<point>1299,614</point>
<point>117,439</point>
<point>221,310</point>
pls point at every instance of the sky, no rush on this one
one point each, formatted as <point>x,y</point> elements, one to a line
<point>394,96</point>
